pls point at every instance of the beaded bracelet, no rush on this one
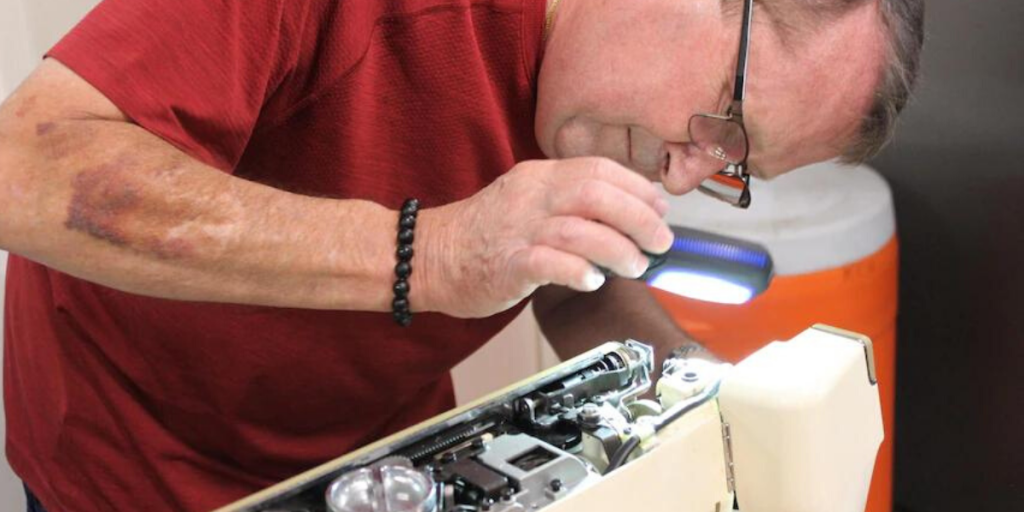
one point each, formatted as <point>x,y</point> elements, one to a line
<point>403,269</point>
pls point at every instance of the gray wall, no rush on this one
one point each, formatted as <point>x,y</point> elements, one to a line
<point>957,170</point>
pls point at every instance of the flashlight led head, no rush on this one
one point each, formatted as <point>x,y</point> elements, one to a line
<point>710,267</point>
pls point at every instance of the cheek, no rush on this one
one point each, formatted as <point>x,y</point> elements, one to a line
<point>606,69</point>
<point>796,132</point>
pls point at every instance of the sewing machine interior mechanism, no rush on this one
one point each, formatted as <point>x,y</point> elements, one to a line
<point>793,428</point>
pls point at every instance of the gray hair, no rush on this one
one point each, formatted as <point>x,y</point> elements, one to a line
<point>904,30</point>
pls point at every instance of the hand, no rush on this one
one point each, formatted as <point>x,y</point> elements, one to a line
<point>543,222</point>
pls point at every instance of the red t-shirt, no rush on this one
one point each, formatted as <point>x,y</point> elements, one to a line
<point>121,402</point>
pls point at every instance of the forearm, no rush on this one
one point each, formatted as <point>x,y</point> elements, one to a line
<point>622,309</point>
<point>88,192</point>
<point>109,202</point>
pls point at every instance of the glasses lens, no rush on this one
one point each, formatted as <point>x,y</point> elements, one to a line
<point>728,186</point>
<point>722,138</point>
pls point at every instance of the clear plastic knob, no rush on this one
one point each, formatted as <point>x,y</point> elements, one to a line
<point>389,488</point>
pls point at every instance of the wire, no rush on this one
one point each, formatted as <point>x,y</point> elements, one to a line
<point>622,454</point>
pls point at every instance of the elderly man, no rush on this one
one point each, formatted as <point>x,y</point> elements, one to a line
<point>239,225</point>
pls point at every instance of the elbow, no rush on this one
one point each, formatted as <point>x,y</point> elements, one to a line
<point>18,201</point>
<point>11,189</point>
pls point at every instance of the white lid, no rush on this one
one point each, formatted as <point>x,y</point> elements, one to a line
<point>818,217</point>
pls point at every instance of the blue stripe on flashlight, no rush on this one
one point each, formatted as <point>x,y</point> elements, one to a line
<point>721,251</point>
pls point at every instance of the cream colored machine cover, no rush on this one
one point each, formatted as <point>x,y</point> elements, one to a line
<point>793,428</point>
<point>806,423</point>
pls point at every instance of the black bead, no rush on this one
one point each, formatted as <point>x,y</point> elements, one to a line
<point>403,318</point>
<point>404,252</point>
<point>403,269</point>
<point>411,206</point>
<point>407,222</point>
<point>401,288</point>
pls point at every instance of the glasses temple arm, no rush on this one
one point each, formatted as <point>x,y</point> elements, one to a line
<point>741,62</point>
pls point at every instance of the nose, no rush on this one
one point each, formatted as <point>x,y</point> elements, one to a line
<point>687,165</point>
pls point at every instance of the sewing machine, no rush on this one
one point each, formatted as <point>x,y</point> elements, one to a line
<point>795,427</point>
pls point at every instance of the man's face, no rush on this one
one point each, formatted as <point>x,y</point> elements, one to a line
<point>621,78</point>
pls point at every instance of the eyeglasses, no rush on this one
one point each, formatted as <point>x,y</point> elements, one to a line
<point>724,138</point>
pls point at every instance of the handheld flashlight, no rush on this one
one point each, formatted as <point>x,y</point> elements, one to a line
<point>710,267</point>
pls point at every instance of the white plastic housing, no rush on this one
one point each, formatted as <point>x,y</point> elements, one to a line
<point>686,472</point>
<point>806,424</point>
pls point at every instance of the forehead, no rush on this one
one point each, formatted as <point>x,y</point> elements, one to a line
<point>808,90</point>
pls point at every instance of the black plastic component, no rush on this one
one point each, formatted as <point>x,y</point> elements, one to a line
<point>622,454</point>
<point>565,435</point>
<point>476,481</point>
<point>532,459</point>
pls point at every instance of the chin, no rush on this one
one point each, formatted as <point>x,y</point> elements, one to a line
<point>572,149</point>
<point>575,138</point>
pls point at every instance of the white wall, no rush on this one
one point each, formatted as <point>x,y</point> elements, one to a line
<point>27,29</point>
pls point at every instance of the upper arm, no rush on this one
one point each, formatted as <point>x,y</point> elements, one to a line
<point>54,93</point>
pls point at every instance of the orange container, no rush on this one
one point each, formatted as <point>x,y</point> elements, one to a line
<point>856,290</point>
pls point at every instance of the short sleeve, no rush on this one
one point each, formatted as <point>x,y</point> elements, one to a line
<point>194,72</point>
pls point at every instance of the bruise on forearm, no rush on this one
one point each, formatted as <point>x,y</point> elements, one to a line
<point>44,128</point>
<point>26,106</point>
<point>57,147</point>
<point>97,205</point>
<point>129,197</point>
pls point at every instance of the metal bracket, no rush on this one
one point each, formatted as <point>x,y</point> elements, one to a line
<point>730,470</point>
<point>646,353</point>
<point>869,350</point>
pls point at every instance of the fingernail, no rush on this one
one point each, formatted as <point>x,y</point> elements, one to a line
<point>639,267</point>
<point>594,280</point>
<point>667,238</point>
<point>661,206</point>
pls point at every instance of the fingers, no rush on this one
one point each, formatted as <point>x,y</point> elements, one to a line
<point>611,172</point>
<point>602,202</point>
<point>544,265</point>
<point>549,222</point>
<point>593,242</point>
